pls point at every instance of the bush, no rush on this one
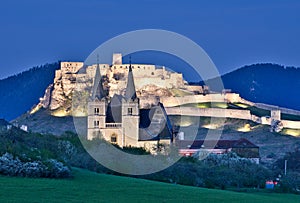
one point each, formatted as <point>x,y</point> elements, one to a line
<point>13,166</point>
<point>290,183</point>
<point>216,171</point>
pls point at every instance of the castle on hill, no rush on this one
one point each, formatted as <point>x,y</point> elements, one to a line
<point>160,86</point>
<point>119,120</point>
<point>76,75</point>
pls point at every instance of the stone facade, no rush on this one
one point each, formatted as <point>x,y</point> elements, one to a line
<point>117,119</point>
<point>76,75</point>
<point>125,133</point>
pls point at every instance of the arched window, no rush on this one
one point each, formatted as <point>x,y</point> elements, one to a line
<point>129,111</point>
<point>113,138</point>
<point>96,124</point>
<point>96,111</point>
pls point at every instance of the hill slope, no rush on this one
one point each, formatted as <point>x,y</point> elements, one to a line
<point>91,187</point>
<point>20,92</point>
<point>266,83</point>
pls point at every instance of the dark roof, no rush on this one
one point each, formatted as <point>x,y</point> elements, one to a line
<point>130,93</point>
<point>217,144</point>
<point>98,91</point>
<point>155,124</point>
<point>114,110</point>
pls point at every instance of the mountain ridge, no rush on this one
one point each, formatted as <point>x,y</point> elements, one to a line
<point>20,92</point>
<point>265,83</point>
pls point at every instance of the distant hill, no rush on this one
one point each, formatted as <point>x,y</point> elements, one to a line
<point>20,92</point>
<point>266,83</point>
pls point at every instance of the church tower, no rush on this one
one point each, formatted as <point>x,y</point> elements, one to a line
<point>130,112</point>
<point>97,106</point>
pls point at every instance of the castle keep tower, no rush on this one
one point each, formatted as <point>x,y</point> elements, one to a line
<point>117,59</point>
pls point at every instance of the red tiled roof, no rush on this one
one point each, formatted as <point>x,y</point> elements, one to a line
<point>216,144</point>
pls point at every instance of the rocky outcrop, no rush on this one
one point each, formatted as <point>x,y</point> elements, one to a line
<point>73,76</point>
<point>45,100</point>
<point>64,84</point>
<point>13,166</point>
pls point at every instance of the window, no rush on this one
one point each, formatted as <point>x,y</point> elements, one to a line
<point>152,73</point>
<point>113,138</point>
<point>129,111</point>
<point>96,134</point>
<point>96,124</point>
<point>96,111</point>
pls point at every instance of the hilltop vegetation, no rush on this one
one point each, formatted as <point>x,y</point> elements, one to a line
<point>19,93</point>
<point>266,83</point>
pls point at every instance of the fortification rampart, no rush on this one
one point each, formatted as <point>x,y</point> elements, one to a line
<point>178,101</point>
<point>210,112</point>
<point>228,113</point>
<point>272,107</point>
<point>291,124</point>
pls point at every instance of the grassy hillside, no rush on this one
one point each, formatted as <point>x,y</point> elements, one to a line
<point>91,187</point>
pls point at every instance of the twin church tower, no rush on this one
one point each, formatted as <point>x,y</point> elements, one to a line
<point>118,119</point>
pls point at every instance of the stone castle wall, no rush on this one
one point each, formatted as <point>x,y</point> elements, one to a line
<point>178,101</point>
<point>210,112</point>
<point>272,107</point>
<point>73,76</point>
<point>228,113</point>
<point>291,124</point>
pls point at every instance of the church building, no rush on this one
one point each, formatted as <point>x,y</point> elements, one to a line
<point>119,119</point>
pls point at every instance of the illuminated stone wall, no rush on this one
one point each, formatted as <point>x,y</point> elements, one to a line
<point>291,124</point>
<point>210,112</point>
<point>178,101</point>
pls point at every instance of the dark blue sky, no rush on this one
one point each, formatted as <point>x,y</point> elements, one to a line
<point>233,33</point>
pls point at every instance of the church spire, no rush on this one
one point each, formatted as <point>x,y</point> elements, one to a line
<point>98,91</point>
<point>130,89</point>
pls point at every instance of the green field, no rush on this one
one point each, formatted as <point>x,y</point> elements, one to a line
<point>91,187</point>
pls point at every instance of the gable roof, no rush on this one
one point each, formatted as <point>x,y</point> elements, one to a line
<point>218,144</point>
<point>155,124</point>
<point>114,110</point>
